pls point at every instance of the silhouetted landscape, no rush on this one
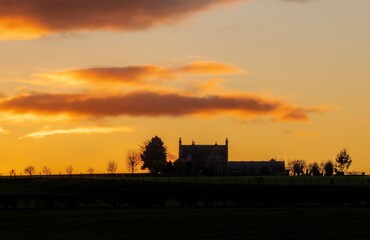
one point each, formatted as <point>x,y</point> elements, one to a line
<point>132,207</point>
<point>184,119</point>
<point>201,195</point>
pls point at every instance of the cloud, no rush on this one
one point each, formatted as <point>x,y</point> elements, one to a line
<point>21,19</point>
<point>154,104</point>
<point>81,130</point>
<point>3,131</point>
<point>132,75</point>
<point>205,67</point>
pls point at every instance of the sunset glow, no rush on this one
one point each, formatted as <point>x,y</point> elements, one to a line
<point>82,82</point>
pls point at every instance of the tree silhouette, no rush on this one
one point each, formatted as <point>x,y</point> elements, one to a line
<point>46,170</point>
<point>30,170</point>
<point>12,172</point>
<point>297,167</point>
<point>112,166</point>
<point>328,168</point>
<point>133,160</point>
<point>69,169</point>
<point>154,155</point>
<point>343,161</point>
<point>315,169</point>
<point>90,170</point>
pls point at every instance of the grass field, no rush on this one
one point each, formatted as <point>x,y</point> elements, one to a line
<point>120,207</point>
<point>234,223</point>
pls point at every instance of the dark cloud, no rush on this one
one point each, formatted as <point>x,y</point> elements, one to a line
<point>34,18</point>
<point>154,104</point>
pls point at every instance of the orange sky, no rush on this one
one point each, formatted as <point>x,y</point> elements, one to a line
<point>83,82</point>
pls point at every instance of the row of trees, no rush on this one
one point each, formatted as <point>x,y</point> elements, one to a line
<point>342,163</point>
<point>30,169</point>
<point>152,156</point>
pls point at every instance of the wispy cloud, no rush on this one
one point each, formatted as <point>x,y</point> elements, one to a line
<point>21,19</point>
<point>134,75</point>
<point>80,130</point>
<point>154,104</point>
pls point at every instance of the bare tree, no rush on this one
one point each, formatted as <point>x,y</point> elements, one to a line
<point>133,160</point>
<point>12,172</point>
<point>30,170</point>
<point>112,166</point>
<point>315,169</point>
<point>343,161</point>
<point>46,170</point>
<point>90,170</point>
<point>69,169</point>
<point>328,168</point>
<point>297,167</point>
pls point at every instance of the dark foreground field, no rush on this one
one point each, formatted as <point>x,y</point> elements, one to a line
<point>179,223</point>
<point>112,192</point>
<point>115,208</point>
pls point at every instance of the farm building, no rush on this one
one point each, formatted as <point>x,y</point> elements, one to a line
<point>272,168</point>
<point>207,159</point>
<point>213,159</point>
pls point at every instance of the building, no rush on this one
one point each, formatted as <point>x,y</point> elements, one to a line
<point>204,159</point>
<point>266,168</point>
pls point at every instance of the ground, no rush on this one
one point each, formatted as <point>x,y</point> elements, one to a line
<point>201,223</point>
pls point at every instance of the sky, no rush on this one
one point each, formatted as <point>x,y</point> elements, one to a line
<point>82,82</point>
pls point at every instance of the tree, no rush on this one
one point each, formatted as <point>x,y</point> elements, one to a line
<point>154,155</point>
<point>46,170</point>
<point>112,166</point>
<point>90,170</point>
<point>69,169</point>
<point>297,167</point>
<point>315,169</point>
<point>343,161</point>
<point>12,172</point>
<point>328,168</point>
<point>133,160</point>
<point>30,170</point>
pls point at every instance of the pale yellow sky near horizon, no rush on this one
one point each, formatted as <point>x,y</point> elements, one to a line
<point>280,79</point>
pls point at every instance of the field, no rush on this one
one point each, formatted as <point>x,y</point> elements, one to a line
<point>118,191</point>
<point>245,223</point>
<point>123,207</point>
